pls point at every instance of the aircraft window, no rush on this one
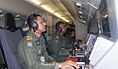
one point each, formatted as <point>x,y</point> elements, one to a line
<point>105,25</point>
<point>104,18</point>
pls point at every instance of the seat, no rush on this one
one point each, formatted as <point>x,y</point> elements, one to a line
<point>3,64</point>
<point>10,37</point>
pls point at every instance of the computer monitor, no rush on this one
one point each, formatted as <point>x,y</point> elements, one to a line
<point>101,46</point>
<point>90,42</point>
<point>109,59</point>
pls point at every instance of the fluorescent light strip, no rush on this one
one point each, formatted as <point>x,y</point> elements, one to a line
<point>105,16</point>
<point>47,8</point>
<point>80,12</point>
<point>64,19</point>
<point>36,2</point>
<point>58,15</point>
<point>78,4</point>
<point>52,11</point>
<point>67,20</point>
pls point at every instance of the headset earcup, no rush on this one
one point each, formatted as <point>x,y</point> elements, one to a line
<point>35,26</point>
<point>59,29</point>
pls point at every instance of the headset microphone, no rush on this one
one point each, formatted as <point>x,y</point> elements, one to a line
<point>58,30</point>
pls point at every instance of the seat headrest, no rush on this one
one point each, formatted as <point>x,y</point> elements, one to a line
<point>10,22</point>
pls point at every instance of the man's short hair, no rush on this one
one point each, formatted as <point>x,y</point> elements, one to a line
<point>58,24</point>
<point>32,19</point>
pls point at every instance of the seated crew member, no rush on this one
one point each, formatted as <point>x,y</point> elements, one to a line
<point>32,50</point>
<point>72,35</point>
<point>60,43</point>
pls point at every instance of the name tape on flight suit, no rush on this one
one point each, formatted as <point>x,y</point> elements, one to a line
<point>29,44</point>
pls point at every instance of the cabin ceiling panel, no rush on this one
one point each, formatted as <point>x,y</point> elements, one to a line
<point>70,7</point>
<point>67,8</point>
<point>18,6</point>
<point>55,7</point>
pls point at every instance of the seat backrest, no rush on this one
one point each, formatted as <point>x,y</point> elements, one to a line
<point>10,22</point>
<point>10,42</point>
<point>3,63</point>
<point>10,38</point>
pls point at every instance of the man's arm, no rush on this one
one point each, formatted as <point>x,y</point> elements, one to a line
<point>30,58</point>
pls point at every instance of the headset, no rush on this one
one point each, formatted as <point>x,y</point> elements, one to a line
<point>32,23</point>
<point>35,26</point>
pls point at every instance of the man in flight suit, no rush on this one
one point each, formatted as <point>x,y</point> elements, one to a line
<point>60,43</point>
<point>32,50</point>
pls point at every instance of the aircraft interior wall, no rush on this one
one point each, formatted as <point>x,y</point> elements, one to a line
<point>112,10</point>
<point>17,6</point>
<point>116,8</point>
<point>81,30</point>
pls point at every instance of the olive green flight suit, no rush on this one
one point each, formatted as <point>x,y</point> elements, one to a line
<point>60,46</point>
<point>33,54</point>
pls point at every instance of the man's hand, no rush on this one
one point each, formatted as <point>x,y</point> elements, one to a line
<point>68,65</point>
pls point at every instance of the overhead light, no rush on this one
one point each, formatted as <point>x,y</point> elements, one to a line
<point>64,19</point>
<point>105,16</point>
<point>1,15</point>
<point>84,21</point>
<point>17,16</point>
<point>57,14</point>
<point>36,2</point>
<point>67,21</point>
<point>52,11</point>
<point>47,8</point>
<point>0,12</point>
<point>80,12</point>
<point>78,4</point>
<point>81,16</point>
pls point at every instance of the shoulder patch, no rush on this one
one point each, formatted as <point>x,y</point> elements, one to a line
<point>29,37</point>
